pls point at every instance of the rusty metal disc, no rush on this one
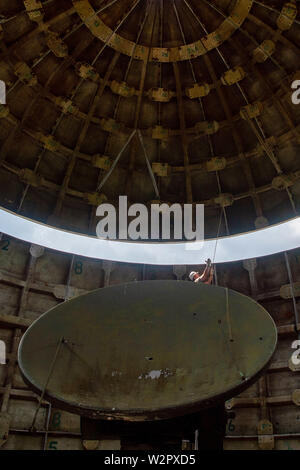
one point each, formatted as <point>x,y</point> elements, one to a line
<point>147,350</point>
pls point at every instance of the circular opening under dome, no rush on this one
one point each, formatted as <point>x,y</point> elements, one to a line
<point>278,238</point>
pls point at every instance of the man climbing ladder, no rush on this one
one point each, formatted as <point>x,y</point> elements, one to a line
<point>210,423</point>
<point>206,277</point>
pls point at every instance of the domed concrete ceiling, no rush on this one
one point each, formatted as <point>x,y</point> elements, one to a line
<point>183,101</point>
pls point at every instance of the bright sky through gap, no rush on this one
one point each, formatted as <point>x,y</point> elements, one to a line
<point>267,241</point>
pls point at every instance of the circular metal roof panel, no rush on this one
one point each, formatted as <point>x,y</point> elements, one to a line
<point>147,350</point>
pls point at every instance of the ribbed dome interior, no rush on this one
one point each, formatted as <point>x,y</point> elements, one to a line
<point>202,88</point>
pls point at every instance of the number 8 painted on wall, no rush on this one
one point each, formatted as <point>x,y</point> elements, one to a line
<point>78,267</point>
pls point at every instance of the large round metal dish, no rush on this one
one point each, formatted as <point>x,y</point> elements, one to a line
<point>147,350</point>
